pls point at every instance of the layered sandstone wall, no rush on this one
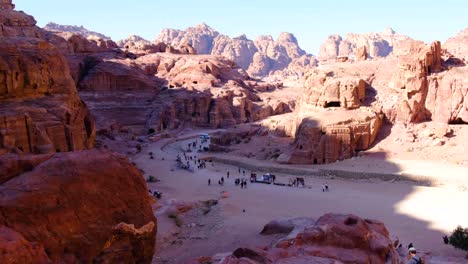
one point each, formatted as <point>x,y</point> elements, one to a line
<point>40,109</point>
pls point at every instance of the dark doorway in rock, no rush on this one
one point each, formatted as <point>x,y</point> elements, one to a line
<point>315,161</point>
<point>332,104</point>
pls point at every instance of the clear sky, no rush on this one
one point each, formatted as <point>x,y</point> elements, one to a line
<point>310,21</point>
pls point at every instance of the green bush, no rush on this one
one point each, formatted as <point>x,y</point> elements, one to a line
<point>151,131</point>
<point>459,238</point>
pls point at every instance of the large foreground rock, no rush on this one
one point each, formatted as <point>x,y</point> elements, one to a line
<point>80,207</point>
<point>334,238</point>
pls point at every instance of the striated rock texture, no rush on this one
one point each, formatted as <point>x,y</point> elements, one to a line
<point>334,238</point>
<point>259,58</point>
<point>69,205</point>
<point>40,110</point>
<point>376,45</point>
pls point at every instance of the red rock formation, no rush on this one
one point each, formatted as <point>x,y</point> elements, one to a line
<point>377,45</point>
<point>411,76</point>
<point>54,27</point>
<point>447,96</point>
<point>322,89</point>
<point>327,136</point>
<point>6,4</point>
<point>15,249</point>
<point>260,57</point>
<point>40,110</point>
<point>70,203</point>
<point>458,45</point>
<point>361,53</point>
<point>334,238</point>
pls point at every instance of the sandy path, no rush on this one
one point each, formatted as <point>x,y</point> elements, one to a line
<point>417,214</point>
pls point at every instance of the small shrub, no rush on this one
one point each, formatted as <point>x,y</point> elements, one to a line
<point>459,238</point>
<point>151,131</point>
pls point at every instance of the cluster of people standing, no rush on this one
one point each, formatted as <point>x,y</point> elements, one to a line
<point>241,182</point>
<point>325,187</point>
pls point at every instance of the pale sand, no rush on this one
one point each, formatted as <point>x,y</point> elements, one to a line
<point>418,214</point>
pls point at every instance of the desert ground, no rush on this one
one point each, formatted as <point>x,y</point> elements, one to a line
<point>422,203</point>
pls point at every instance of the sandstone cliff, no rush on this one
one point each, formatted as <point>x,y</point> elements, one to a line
<point>40,109</point>
<point>64,207</point>
<point>380,44</point>
<point>259,58</point>
<point>458,45</point>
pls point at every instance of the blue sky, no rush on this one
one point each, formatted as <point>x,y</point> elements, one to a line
<point>310,21</point>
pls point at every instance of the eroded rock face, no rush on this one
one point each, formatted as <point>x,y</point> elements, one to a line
<point>200,37</point>
<point>447,96</point>
<point>240,50</point>
<point>411,75</point>
<point>322,89</point>
<point>259,58</point>
<point>70,204</point>
<point>54,27</point>
<point>327,136</point>
<point>334,238</point>
<point>458,45</point>
<point>15,249</point>
<point>40,110</point>
<point>376,44</point>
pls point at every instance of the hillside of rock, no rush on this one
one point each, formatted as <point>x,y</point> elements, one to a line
<point>380,44</point>
<point>259,58</point>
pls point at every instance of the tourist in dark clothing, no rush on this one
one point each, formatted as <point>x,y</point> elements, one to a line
<point>414,258</point>
<point>209,181</point>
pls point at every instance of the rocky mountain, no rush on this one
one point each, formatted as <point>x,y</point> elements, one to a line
<point>379,44</point>
<point>259,58</point>
<point>75,29</point>
<point>458,45</point>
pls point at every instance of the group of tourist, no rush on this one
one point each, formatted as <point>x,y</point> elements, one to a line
<point>241,182</point>
<point>325,187</point>
<point>411,254</point>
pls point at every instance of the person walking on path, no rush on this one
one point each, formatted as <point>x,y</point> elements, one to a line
<point>209,181</point>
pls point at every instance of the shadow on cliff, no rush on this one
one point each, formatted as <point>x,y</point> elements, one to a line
<point>379,180</point>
